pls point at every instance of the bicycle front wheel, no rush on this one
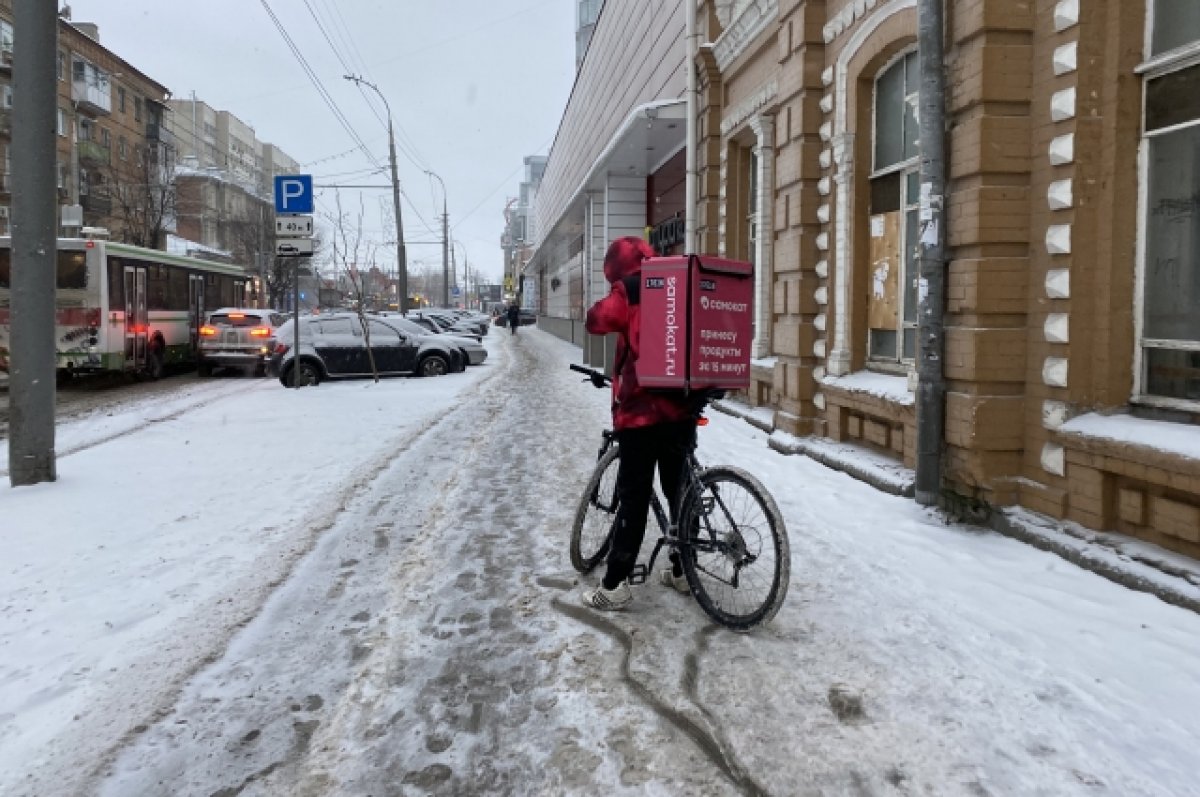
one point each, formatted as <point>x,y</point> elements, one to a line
<point>591,533</point>
<point>734,550</point>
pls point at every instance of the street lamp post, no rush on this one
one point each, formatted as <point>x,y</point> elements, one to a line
<point>401,254</point>
<point>445,244</point>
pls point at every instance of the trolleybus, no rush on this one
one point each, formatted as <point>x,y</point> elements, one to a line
<point>125,308</point>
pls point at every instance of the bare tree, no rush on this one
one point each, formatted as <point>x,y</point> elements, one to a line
<point>348,256</point>
<point>144,197</point>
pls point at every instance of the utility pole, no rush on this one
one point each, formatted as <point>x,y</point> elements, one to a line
<point>31,389</point>
<point>931,385</point>
<point>446,273</point>
<point>401,253</point>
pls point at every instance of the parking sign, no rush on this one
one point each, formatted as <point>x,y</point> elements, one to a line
<point>293,193</point>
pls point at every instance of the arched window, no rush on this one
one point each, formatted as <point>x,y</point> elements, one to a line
<point>894,200</point>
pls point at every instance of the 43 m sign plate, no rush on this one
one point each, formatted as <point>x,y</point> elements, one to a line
<point>293,226</point>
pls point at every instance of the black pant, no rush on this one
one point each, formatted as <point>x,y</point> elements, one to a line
<point>665,445</point>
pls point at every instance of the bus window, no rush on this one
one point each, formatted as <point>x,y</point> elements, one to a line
<point>116,283</point>
<point>71,272</point>
<point>177,288</point>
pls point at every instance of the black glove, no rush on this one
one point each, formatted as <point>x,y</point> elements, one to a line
<point>598,380</point>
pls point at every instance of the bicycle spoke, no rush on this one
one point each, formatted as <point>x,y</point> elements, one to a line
<point>737,552</point>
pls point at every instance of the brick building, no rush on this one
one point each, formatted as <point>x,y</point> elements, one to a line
<point>1073,236</point>
<point>114,155</point>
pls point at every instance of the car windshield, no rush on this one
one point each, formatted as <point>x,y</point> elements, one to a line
<point>235,320</point>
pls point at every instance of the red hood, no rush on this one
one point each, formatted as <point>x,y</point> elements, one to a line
<point>625,256</point>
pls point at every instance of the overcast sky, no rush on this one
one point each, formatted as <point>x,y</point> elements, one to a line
<point>474,86</point>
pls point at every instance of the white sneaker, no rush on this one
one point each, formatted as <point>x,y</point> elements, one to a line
<point>608,600</point>
<point>679,583</point>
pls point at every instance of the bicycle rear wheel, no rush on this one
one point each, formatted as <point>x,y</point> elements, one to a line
<point>735,550</point>
<point>591,533</point>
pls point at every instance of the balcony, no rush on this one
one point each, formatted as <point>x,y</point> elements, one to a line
<point>95,204</point>
<point>6,57</point>
<point>93,96</point>
<point>157,133</point>
<point>94,154</point>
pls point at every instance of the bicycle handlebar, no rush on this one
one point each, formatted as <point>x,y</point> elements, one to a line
<point>597,377</point>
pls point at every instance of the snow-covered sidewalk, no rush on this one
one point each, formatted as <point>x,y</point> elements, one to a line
<point>911,655</point>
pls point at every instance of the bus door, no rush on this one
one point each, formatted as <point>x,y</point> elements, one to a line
<point>137,321</point>
<point>195,310</point>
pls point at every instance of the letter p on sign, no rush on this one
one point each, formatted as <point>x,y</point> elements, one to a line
<point>293,193</point>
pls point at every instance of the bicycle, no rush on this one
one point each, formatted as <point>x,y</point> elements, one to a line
<point>735,551</point>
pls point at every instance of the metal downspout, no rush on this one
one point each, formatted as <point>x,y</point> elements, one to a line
<point>690,180</point>
<point>931,386</point>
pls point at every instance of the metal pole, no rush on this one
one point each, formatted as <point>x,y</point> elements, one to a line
<point>31,389</point>
<point>446,273</point>
<point>296,322</point>
<point>690,177</point>
<point>931,385</point>
<point>401,252</point>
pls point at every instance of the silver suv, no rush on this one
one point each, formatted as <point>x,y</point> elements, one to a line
<point>238,337</point>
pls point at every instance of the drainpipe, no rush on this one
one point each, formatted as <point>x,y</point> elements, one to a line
<point>931,384</point>
<point>690,179</point>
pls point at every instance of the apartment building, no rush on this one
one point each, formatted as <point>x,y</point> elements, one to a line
<point>225,182</point>
<point>1072,352</point>
<point>114,154</point>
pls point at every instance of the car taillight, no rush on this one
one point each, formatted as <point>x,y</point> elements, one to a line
<point>260,332</point>
<point>281,348</point>
<point>207,332</point>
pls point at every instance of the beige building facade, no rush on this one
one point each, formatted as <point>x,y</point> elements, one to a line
<point>1072,345</point>
<point>1072,307</point>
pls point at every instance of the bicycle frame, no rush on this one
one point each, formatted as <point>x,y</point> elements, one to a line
<point>669,531</point>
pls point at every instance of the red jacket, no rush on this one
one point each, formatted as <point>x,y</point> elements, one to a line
<point>633,406</point>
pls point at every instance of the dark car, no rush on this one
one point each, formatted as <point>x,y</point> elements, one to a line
<point>471,348</point>
<point>333,346</point>
<point>527,317</point>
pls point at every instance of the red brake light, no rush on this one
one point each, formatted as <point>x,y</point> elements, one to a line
<point>237,315</point>
<point>281,348</point>
<point>702,421</point>
<point>207,331</point>
<point>260,332</point>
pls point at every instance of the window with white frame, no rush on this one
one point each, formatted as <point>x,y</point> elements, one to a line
<point>893,217</point>
<point>6,36</point>
<point>1170,269</point>
<point>61,124</point>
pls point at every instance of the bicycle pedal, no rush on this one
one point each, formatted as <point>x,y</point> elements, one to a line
<point>638,575</point>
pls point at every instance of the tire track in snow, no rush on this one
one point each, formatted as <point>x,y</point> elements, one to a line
<point>710,742</point>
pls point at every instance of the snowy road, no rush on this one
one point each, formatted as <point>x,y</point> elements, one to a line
<point>406,622</point>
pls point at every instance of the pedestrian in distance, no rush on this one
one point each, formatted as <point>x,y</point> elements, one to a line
<point>654,429</point>
<point>514,317</point>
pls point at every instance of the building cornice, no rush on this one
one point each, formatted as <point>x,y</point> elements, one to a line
<point>749,106</point>
<point>753,20</point>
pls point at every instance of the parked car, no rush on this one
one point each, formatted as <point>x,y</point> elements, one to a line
<point>437,324</point>
<point>333,346</point>
<point>472,349</point>
<point>446,322</point>
<point>527,317</point>
<point>237,337</point>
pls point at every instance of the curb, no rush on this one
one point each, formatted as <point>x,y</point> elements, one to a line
<point>1131,563</point>
<point>876,470</point>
